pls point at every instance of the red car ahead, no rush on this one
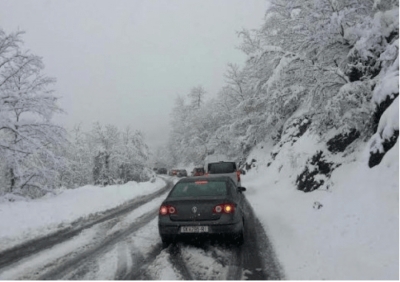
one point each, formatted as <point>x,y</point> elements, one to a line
<point>173,172</point>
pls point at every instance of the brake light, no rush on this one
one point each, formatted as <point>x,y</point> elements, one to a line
<point>201,182</point>
<point>166,210</point>
<point>224,208</point>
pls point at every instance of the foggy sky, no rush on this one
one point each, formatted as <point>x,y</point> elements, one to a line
<point>124,62</point>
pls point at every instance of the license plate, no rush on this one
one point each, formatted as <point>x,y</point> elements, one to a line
<point>194,229</point>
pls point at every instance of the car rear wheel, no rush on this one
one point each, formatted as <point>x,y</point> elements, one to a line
<point>238,238</point>
<point>166,241</point>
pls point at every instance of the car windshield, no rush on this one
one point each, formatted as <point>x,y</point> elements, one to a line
<point>199,189</point>
<point>222,168</point>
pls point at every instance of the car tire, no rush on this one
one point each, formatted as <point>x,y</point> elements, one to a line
<point>238,238</point>
<point>166,241</point>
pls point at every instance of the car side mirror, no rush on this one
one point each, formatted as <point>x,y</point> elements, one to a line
<point>241,189</point>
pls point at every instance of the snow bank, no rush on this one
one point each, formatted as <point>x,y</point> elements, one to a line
<point>353,235</point>
<point>23,220</point>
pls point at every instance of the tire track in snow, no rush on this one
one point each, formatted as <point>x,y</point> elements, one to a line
<point>87,267</point>
<point>205,260</point>
<point>178,262</point>
<point>259,261</point>
<point>141,263</point>
<point>235,265</point>
<point>63,269</point>
<point>26,249</point>
<point>122,268</point>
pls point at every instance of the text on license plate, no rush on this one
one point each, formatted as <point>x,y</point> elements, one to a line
<point>194,229</point>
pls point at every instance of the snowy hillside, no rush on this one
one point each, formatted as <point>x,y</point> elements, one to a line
<point>347,229</point>
<point>330,202</point>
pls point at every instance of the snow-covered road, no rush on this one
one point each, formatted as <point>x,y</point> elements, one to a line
<point>124,243</point>
<point>45,256</point>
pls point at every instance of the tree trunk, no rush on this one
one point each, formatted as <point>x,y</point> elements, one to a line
<point>12,179</point>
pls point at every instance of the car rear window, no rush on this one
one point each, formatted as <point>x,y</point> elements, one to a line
<point>199,189</point>
<point>221,168</point>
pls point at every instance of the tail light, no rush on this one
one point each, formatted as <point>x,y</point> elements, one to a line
<point>166,210</point>
<point>224,208</point>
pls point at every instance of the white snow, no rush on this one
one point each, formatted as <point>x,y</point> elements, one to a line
<point>23,220</point>
<point>354,235</point>
<point>48,256</point>
<point>162,269</point>
<point>388,123</point>
<point>388,85</point>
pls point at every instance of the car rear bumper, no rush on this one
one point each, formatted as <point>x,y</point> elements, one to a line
<point>173,228</point>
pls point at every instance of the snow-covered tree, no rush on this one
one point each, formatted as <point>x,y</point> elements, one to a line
<point>79,153</point>
<point>29,140</point>
<point>196,96</point>
<point>334,63</point>
<point>132,156</point>
<point>162,157</point>
<point>312,50</point>
<point>236,83</point>
<point>118,156</point>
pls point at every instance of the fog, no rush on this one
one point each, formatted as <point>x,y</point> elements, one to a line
<point>124,62</point>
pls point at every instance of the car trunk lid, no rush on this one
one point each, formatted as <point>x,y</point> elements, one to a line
<point>195,209</point>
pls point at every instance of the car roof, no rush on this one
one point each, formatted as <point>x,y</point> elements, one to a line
<point>220,162</point>
<point>208,177</point>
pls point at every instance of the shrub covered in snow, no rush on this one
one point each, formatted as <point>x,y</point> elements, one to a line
<point>315,173</point>
<point>339,142</point>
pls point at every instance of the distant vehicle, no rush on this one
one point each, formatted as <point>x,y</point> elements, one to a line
<point>173,172</point>
<point>162,170</point>
<point>182,173</point>
<point>198,171</point>
<point>197,206</point>
<point>225,168</point>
